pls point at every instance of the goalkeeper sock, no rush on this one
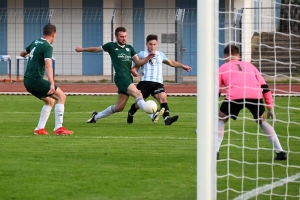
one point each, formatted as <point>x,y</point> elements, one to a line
<point>104,113</point>
<point>132,110</point>
<point>271,135</point>
<point>221,126</point>
<point>45,113</point>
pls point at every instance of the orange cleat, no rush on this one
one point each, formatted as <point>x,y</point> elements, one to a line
<point>62,131</point>
<point>41,131</point>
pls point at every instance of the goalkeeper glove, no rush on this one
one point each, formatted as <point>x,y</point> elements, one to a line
<point>271,114</point>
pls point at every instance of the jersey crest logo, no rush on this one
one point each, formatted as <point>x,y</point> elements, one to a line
<point>127,49</point>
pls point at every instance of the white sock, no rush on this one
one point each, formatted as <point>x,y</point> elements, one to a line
<point>104,113</point>
<point>45,113</point>
<point>221,126</point>
<point>59,115</point>
<point>140,102</point>
<point>271,135</point>
<point>150,115</point>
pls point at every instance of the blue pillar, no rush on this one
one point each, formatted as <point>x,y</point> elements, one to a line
<point>3,36</point>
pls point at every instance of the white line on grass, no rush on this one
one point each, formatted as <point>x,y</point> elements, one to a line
<point>105,137</point>
<point>267,187</point>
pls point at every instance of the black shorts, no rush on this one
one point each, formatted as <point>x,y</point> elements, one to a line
<point>232,108</point>
<point>148,88</point>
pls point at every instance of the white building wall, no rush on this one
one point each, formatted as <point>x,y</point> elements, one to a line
<point>160,21</point>
<point>15,32</point>
<point>67,18</point>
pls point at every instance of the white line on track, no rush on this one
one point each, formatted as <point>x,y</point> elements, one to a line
<point>267,187</point>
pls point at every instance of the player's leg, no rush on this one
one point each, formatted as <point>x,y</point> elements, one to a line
<point>44,115</point>
<point>227,109</point>
<point>162,99</point>
<point>135,93</point>
<point>59,111</point>
<point>257,108</point>
<point>118,107</point>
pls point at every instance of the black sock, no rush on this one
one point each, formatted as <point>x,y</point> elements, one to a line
<point>133,109</point>
<point>167,112</point>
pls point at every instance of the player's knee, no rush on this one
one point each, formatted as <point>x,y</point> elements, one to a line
<point>119,109</point>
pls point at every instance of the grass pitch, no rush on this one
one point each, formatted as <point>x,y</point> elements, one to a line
<point>115,160</point>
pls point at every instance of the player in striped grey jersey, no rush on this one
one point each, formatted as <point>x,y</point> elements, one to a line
<point>152,81</point>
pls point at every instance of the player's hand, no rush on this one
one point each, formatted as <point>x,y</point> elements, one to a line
<point>52,89</point>
<point>151,55</point>
<point>134,72</point>
<point>271,114</point>
<point>78,49</point>
<point>186,68</point>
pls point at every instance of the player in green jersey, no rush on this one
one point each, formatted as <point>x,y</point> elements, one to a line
<point>122,55</point>
<point>39,54</point>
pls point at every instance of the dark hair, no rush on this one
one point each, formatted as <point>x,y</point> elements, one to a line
<point>151,37</point>
<point>49,29</point>
<point>119,29</point>
<point>231,50</point>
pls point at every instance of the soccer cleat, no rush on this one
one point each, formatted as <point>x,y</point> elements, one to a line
<point>62,131</point>
<point>129,118</point>
<point>41,131</point>
<point>171,120</point>
<point>281,156</point>
<point>92,119</point>
<point>157,115</point>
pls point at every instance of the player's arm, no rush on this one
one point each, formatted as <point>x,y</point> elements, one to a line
<point>141,61</point>
<point>135,69</point>
<point>89,49</point>
<point>24,54</point>
<point>173,63</point>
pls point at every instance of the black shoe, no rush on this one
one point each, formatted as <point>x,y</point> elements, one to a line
<point>129,118</point>
<point>217,155</point>
<point>171,120</point>
<point>157,115</point>
<point>281,156</point>
<point>92,119</point>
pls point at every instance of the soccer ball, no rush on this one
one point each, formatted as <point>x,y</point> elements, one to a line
<point>150,107</point>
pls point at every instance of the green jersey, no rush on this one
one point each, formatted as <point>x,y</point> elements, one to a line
<point>39,50</point>
<point>121,57</point>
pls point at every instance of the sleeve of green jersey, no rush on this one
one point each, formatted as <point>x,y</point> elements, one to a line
<point>106,47</point>
<point>27,49</point>
<point>48,52</point>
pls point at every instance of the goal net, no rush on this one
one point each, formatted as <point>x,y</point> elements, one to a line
<point>267,33</point>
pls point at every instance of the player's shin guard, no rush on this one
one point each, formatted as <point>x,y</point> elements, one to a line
<point>45,113</point>
<point>141,103</point>
<point>272,136</point>
<point>167,112</point>
<point>104,113</point>
<point>221,126</point>
<point>133,109</point>
<point>59,115</point>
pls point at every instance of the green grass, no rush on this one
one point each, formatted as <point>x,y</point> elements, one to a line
<point>115,160</point>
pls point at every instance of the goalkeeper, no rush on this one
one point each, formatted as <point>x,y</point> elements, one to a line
<point>245,87</point>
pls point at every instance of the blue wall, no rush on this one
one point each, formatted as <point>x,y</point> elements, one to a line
<point>3,36</point>
<point>138,25</point>
<point>189,34</point>
<point>92,35</point>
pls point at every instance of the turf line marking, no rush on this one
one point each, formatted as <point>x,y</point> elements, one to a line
<point>104,137</point>
<point>267,187</point>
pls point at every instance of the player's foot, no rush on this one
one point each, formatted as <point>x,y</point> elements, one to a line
<point>62,131</point>
<point>92,119</point>
<point>281,156</point>
<point>41,131</point>
<point>129,118</point>
<point>157,115</point>
<point>217,155</point>
<point>171,120</point>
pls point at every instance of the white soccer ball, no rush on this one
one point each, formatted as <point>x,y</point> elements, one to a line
<point>150,107</point>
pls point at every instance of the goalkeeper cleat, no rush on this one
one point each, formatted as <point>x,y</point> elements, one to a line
<point>129,118</point>
<point>281,156</point>
<point>62,131</point>
<point>157,115</point>
<point>171,120</point>
<point>92,119</point>
<point>41,131</point>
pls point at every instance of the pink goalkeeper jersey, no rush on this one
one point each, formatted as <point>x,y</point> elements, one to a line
<point>241,80</point>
